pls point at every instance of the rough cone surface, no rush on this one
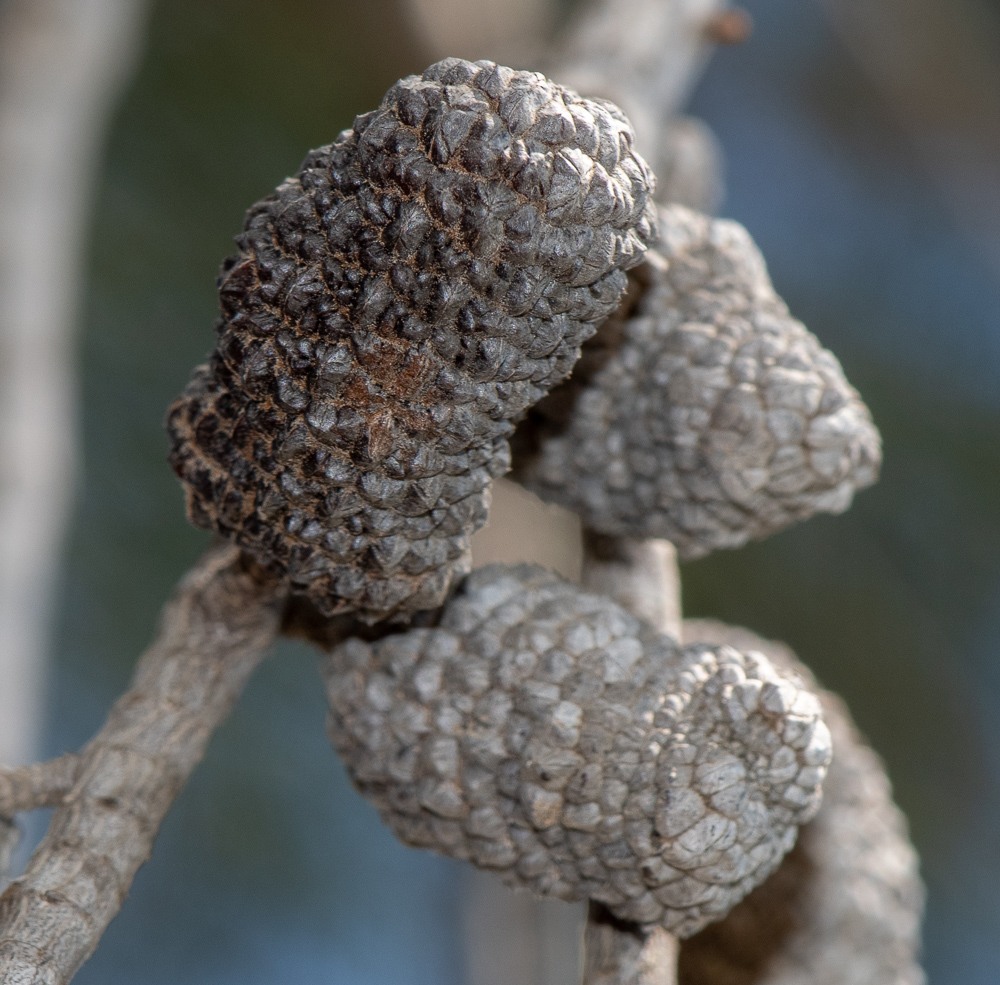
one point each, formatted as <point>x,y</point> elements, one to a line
<point>547,734</point>
<point>393,309</point>
<point>714,418</point>
<point>845,905</point>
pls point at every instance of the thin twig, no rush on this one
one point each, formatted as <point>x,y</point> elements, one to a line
<point>641,576</point>
<point>617,953</point>
<point>646,55</point>
<point>213,634</point>
<point>26,788</point>
<point>9,835</point>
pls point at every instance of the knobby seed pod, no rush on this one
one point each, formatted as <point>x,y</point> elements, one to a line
<point>548,735</point>
<point>845,905</point>
<point>393,309</point>
<point>711,416</point>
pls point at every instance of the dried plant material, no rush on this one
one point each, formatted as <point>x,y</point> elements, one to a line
<point>845,906</point>
<point>614,954</point>
<point>712,417</point>
<point>547,734</point>
<point>394,308</point>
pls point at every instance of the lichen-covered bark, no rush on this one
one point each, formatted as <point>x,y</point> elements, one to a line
<point>25,788</point>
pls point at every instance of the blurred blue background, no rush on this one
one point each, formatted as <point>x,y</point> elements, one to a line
<point>270,869</point>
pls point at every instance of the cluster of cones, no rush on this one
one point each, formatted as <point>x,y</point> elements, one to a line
<point>401,315</point>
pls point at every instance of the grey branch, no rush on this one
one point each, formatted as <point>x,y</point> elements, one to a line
<point>26,788</point>
<point>8,842</point>
<point>642,577</point>
<point>213,634</point>
<point>62,64</point>
<point>644,55</point>
<point>616,954</point>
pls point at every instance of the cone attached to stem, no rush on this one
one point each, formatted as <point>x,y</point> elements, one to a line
<point>708,416</point>
<point>547,734</point>
<point>394,308</point>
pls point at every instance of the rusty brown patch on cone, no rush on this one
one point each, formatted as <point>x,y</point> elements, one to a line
<point>731,27</point>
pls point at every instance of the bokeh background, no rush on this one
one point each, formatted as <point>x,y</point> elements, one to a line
<point>859,144</point>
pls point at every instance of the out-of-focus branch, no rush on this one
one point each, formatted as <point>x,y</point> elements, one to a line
<point>212,636</point>
<point>689,166</point>
<point>644,55</point>
<point>512,32</point>
<point>640,575</point>
<point>26,788</point>
<point>61,65</point>
<point>8,842</point>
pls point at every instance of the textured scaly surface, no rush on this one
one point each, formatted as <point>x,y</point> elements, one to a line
<point>715,417</point>
<point>549,735</point>
<point>394,308</point>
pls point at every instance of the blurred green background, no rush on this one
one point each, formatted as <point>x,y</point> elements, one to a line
<point>269,868</point>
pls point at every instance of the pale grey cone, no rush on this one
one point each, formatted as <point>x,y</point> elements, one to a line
<point>547,734</point>
<point>712,417</point>
<point>845,906</point>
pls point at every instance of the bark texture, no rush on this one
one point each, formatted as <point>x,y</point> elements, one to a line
<point>618,953</point>
<point>213,634</point>
<point>26,788</point>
